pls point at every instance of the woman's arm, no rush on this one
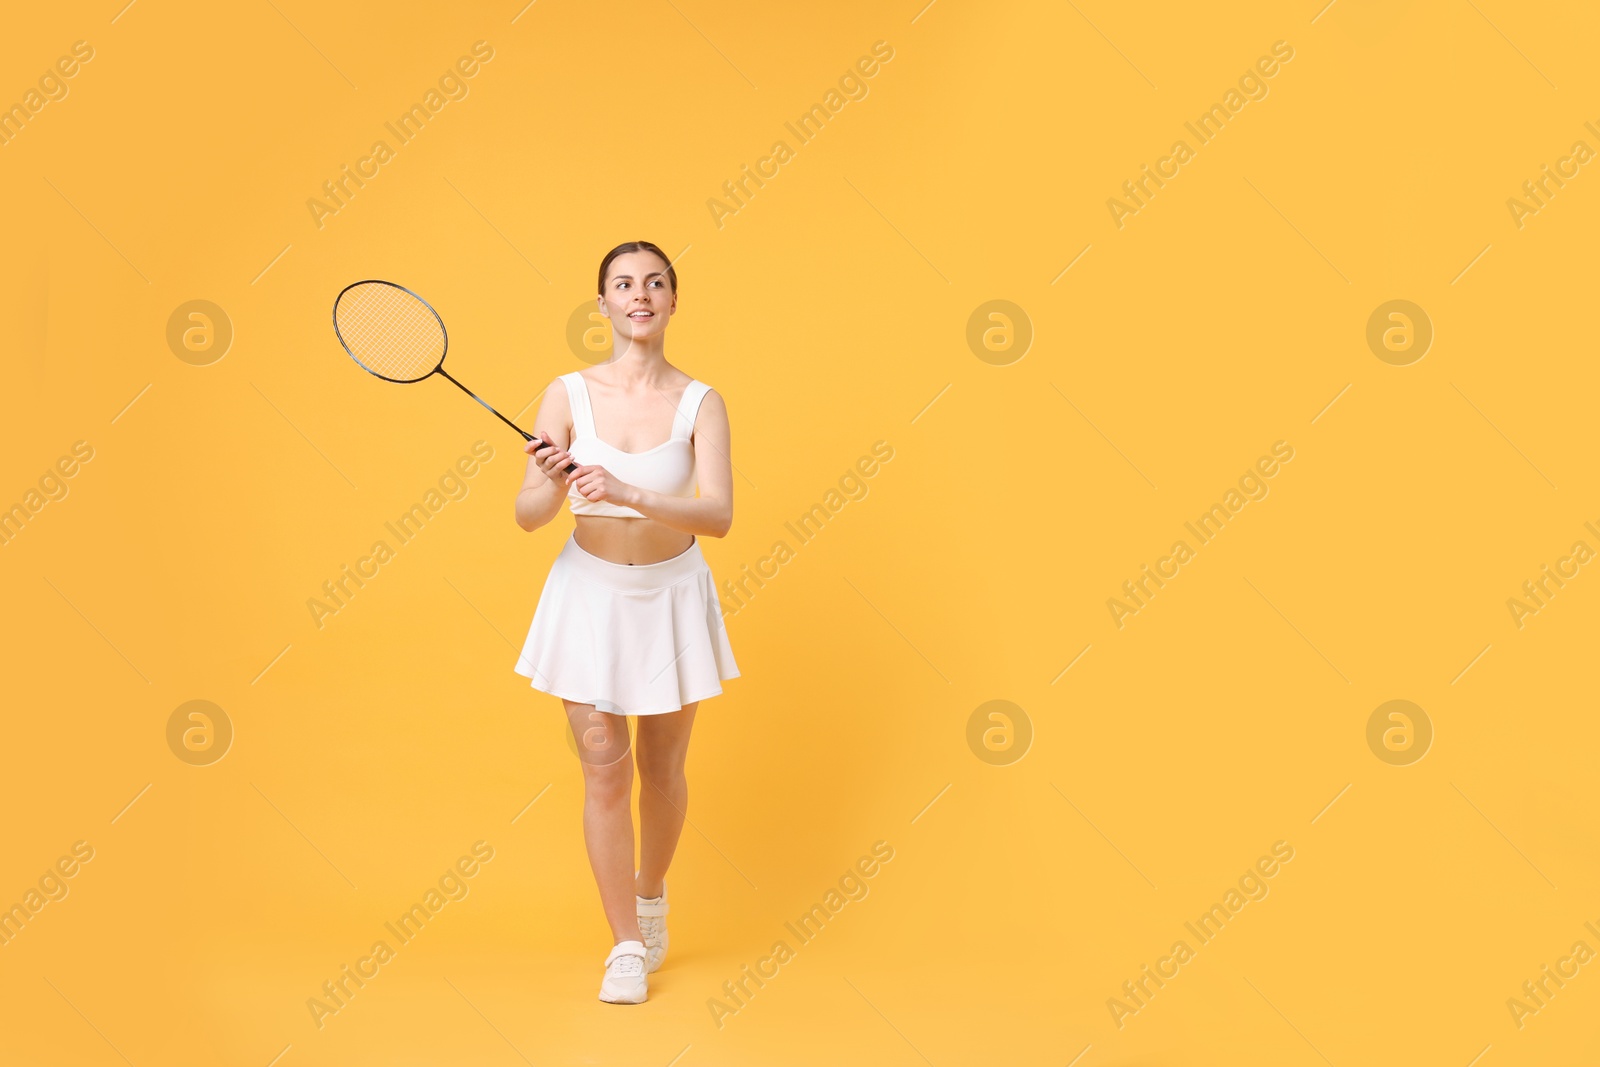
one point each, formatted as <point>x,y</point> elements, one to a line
<point>711,513</point>
<point>539,499</point>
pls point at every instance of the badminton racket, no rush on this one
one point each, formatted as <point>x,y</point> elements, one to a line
<point>394,334</point>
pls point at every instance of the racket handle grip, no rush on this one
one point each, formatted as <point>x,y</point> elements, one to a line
<point>543,444</point>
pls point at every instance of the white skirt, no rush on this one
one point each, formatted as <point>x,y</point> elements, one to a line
<point>631,639</point>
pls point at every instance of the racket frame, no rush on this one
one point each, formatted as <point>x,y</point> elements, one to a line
<point>438,368</point>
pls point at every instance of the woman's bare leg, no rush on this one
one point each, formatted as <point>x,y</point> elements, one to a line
<point>603,750</point>
<point>663,792</point>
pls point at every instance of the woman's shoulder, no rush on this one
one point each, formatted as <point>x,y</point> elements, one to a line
<point>703,394</point>
<point>689,381</point>
<point>558,394</point>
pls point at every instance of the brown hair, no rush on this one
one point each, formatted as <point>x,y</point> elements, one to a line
<point>637,246</point>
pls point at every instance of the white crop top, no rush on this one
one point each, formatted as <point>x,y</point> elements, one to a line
<point>667,468</point>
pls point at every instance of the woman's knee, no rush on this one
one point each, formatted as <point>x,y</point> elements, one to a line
<point>609,782</point>
<point>663,748</point>
<point>663,771</point>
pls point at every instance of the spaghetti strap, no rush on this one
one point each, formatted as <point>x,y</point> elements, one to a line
<point>582,413</point>
<point>688,408</point>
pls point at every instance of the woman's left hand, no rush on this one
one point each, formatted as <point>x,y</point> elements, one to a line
<point>595,483</point>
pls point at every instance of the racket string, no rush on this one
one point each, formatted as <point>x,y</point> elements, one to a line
<point>389,331</point>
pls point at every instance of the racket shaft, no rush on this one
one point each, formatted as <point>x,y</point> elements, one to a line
<point>526,436</point>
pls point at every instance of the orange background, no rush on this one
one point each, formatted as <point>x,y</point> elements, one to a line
<point>1045,850</point>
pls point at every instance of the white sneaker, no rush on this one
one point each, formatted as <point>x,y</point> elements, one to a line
<point>624,982</point>
<point>652,913</point>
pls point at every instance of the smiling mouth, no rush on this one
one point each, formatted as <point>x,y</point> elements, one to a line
<point>638,316</point>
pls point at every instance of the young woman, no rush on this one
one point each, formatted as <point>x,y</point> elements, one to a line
<point>629,622</point>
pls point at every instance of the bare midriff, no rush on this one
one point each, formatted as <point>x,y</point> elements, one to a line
<point>619,539</point>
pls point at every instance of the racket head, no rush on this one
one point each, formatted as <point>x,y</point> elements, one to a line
<point>390,331</point>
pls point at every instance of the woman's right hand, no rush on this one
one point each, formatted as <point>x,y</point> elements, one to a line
<point>553,460</point>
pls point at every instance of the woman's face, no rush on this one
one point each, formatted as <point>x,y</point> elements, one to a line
<point>638,297</point>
